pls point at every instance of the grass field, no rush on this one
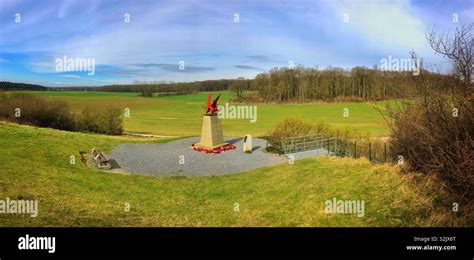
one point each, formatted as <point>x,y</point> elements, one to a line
<point>182,115</point>
<point>34,164</point>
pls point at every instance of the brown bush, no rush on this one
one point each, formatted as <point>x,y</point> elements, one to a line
<point>47,112</point>
<point>291,127</point>
<point>106,120</point>
<point>27,109</point>
<point>88,120</point>
<point>295,127</point>
<point>432,139</point>
<point>3,100</point>
<point>111,121</point>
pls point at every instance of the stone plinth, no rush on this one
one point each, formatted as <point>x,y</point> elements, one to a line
<point>211,134</point>
<point>248,144</point>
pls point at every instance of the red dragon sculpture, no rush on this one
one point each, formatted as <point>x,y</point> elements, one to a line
<point>212,107</point>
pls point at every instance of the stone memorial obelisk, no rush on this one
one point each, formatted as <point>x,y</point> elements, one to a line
<point>212,136</point>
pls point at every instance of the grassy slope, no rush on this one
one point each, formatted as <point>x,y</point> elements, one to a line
<point>181,115</point>
<point>34,164</point>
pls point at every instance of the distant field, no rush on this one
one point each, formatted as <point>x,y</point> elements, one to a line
<point>282,195</point>
<point>182,115</point>
<point>82,94</point>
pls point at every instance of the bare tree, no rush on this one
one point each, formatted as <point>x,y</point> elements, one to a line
<point>457,47</point>
<point>239,86</point>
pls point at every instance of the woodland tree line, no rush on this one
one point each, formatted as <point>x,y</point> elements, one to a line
<point>6,85</point>
<point>302,84</point>
<point>148,88</point>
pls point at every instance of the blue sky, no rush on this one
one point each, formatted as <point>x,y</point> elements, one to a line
<point>206,37</point>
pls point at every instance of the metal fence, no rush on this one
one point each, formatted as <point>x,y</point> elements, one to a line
<point>373,151</point>
<point>308,143</point>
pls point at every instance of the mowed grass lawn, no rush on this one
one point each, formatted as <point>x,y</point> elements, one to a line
<point>34,164</point>
<point>182,115</point>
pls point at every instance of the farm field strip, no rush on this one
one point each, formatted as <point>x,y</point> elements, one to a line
<point>181,115</point>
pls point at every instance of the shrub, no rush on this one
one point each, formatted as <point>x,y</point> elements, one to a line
<point>37,111</point>
<point>432,139</point>
<point>111,121</point>
<point>3,100</point>
<point>290,127</point>
<point>53,113</point>
<point>106,120</point>
<point>88,121</point>
<point>294,127</point>
<point>247,97</point>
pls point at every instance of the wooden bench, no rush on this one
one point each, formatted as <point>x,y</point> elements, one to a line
<point>100,159</point>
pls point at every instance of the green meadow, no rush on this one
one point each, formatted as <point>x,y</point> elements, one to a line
<point>35,164</point>
<point>182,115</point>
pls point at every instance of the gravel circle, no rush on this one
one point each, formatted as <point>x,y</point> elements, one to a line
<point>163,160</point>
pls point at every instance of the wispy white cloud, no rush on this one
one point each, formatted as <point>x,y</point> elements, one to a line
<point>246,67</point>
<point>387,24</point>
<point>205,36</point>
<point>70,76</point>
